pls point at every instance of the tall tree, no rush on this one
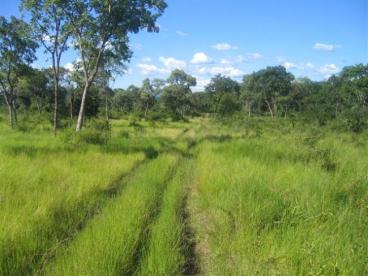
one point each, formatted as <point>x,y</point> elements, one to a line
<point>52,30</point>
<point>272,83</point>
<point>100,30</point>
<point>34,90</point>
<point>221,85</point>
<point>17,51</point>
<point>176,96</point>
<point>147,96</point>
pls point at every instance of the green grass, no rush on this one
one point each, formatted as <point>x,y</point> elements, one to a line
<point>47,194</point>
<point>49,189</point>
<point>111,243</point>
<point>167,252</point>
<point>237,197</point>
<point>275,205</point>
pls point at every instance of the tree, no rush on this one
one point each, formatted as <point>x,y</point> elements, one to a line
<point>158,86</point>
<point>221,85</point>
<point>354,84</point>
<point>176,96</point>
<point>271,83</point>
<point>203,102</point>
<point>354,93</point>
<point>17,51</point>
<point>33,89</point>
<point>52,30</point>
<point>147,96</point>
<point>247,95</point>
<point>228,105</point>
<point>100,30</point>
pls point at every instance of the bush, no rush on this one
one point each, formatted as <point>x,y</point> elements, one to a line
<point>157,115</point>
<point>31,122</point>
<point>124,134</point>
<point>151,153</point>
<point>97,132</point>
<point>357,119</point>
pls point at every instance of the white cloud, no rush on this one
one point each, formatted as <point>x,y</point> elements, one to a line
<point>325,47</point>
<point>309,65</point>
<point>199,58</point>
<point>173,63</point>
<point>201,84</point>
<point>229,71</point>
<point>232,60</point>
<point>289,65</point>
<point>181,33</point>
<point>224,46</point>
<point>147,69</point>
<point>240,59</point>
<point>146,59</point>
<point>69,66</point>
<point>328,69</point>
<point>226,61</point>
<point>254,56</point>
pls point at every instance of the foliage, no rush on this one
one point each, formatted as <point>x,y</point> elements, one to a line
<point>17,51</point>
<point>176,97</point>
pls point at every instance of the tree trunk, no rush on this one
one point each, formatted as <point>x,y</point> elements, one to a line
<point>275,109</point>
<point>11,120</point>
<point>270,109</point>
<point>145,111</point>
<point>15,117</point>
<point>38,106</point>
<point>56,88</point>
<point>82,108</point>
<point>106,108</point>
<point>71,109</point>
<point>286,111</point>
<point>10,102</point>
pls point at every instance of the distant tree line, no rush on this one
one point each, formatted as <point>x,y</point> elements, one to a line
<point>270,92</point>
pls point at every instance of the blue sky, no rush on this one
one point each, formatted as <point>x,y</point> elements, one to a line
<point>313,38</point>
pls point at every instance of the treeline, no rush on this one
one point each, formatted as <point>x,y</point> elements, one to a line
<point>270,92</point>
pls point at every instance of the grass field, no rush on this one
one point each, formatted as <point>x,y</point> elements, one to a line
<point>237,198</point>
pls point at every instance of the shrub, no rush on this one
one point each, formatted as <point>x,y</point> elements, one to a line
<point>97,132</point>
<point>151,153</point>
<point>356,119</point>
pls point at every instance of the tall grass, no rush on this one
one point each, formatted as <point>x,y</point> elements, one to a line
<point>257,197</point>
<point>279,204</point>
<point>46,194</point>
<point>49,188</point>
<point>168,250</point>
<point>111,243</point>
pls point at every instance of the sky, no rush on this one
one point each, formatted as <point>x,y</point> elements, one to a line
<point>312,38</point>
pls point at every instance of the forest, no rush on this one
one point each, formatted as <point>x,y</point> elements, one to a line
<point>266,174</point>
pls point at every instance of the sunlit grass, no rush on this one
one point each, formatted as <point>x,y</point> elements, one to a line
<point>276,205</point>
<point>167,251</point>
<point>264,197</point>
<point>110,243</point>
